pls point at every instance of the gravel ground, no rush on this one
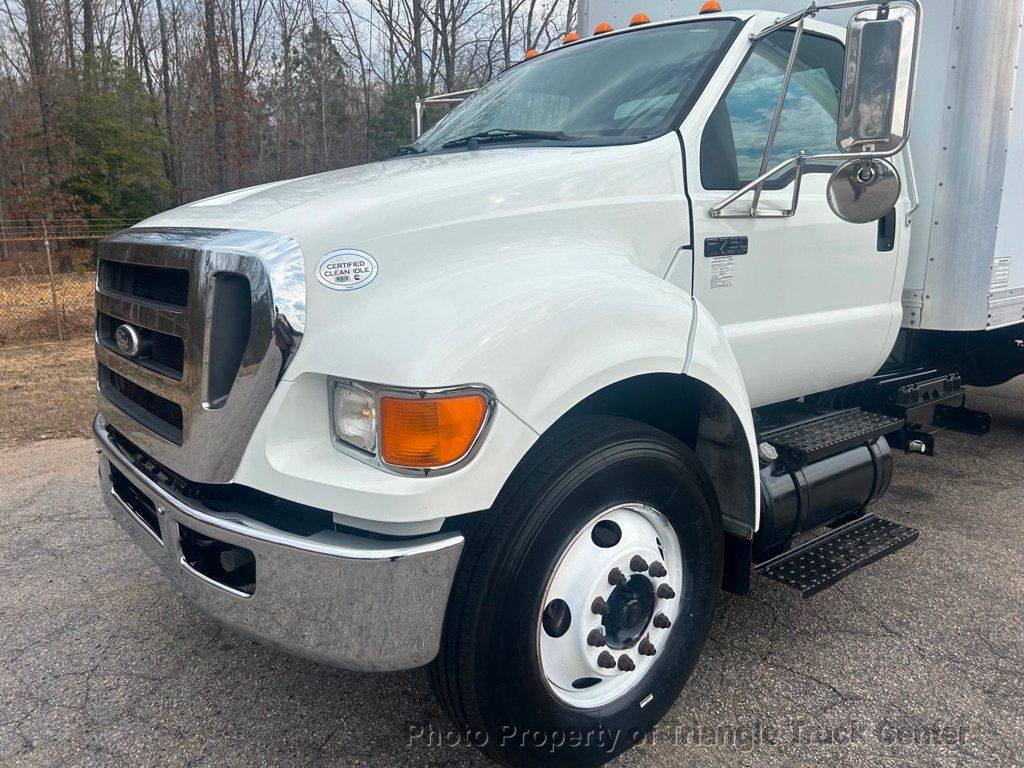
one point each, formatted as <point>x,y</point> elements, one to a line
<point>915,660</point>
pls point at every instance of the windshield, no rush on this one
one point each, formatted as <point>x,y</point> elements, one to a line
<point>633,85</point>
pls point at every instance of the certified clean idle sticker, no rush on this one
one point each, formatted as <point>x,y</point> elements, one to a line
<point>346,269</point>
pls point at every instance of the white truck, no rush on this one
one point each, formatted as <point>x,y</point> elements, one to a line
<point>519,402</point>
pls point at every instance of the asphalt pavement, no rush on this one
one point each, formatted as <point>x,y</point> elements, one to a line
<point>915,660</point>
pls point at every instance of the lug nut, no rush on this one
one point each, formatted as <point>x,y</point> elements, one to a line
<point>616,577</point>
<point>661,621</point>
<point>637,564</point>
<point>599,606</point>
<point>658,570</point>
<point>665,592</point>
<point>606,660</point>
<point>626,664</point>
<point>646,647</point>
<point>596,638</point>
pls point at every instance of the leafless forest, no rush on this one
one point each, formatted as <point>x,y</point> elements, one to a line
<point>120,108</point>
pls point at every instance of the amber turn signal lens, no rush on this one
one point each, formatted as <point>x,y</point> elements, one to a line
<point>429,432</point>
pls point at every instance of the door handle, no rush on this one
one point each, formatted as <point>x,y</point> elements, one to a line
<point>887,231</point>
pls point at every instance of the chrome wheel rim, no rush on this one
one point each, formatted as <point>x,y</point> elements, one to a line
<point>609,606</point>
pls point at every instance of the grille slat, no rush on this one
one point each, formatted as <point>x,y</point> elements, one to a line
<point>163,285</point>
<point>158,414</point>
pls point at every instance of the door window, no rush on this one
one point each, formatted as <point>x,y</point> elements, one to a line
<point>736,135</point>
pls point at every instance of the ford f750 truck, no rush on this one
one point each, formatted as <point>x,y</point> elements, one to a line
<point>517,403</point>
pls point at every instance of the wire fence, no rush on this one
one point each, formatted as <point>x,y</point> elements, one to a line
<point>38,301</point>
<point>39,307</point>
<point>39,230</point>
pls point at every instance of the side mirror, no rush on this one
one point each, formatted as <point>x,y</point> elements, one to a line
<point>863,190</point>
<point>878,79</point>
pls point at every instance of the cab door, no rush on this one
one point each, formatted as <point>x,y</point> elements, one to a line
<point>808,302</point>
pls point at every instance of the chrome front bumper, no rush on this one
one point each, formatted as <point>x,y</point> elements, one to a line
<point>336,598</point>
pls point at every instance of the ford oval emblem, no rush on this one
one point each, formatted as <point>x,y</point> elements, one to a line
<point>127,339</point>
<point>346,270</point>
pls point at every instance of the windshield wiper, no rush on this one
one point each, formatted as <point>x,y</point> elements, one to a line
<point>507,134</point>
<point>412,149</point>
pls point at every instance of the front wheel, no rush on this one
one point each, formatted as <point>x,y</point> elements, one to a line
<point>584,597</point>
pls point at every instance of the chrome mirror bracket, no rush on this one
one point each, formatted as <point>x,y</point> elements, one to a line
<point>719,210</point>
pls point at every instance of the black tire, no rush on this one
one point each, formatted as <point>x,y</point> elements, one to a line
<point>487,674</point>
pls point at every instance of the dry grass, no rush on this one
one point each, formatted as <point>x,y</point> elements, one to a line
<point>26,306</point>
<point>47,390</point>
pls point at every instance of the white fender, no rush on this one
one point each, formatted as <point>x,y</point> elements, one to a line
<point>543,330</point>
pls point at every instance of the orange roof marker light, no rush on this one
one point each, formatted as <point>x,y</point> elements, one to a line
<point>711,6</point>
<point>638,19</point>
<point>602,28</point>
<point>572,37</point>
<point>530,54</point>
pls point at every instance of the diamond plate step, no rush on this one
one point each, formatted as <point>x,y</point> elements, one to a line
<point>830,434</point>
<point>822,562</point>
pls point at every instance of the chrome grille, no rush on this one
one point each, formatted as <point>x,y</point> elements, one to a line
<point>158,285</point>
<point>158,414</point>
<point>201,304</point>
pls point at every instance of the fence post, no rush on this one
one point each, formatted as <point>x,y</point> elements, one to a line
<point>53,287</point>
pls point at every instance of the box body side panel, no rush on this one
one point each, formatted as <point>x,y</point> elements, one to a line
<point>954,240</point>
<point>1006,302</point>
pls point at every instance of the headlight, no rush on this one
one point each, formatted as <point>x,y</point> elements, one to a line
<point>355,416</point>
<point>422,431</point>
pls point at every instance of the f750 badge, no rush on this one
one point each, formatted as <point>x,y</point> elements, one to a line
<point>346,269</point>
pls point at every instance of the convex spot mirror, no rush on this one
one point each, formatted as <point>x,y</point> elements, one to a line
<point>860,191</point>
<point>878,79</point>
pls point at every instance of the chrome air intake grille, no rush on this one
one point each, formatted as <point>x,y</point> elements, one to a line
<point>156,413</point>
<point>158,285</point>
<point>190,341</point>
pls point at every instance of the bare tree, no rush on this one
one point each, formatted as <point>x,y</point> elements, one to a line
<point>88,40</point>
<point>165,85</point>
<point>226,93</point>
<point>38,48</point>
<point>216,97</point>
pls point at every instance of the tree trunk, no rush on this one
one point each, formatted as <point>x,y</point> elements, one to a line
<point>323,115</point>
<point>417,44</point>
<point>140,41</point>
<point>69,37</point>
<point>217,96</point>
<point>507,14</point>
<point>88,40</point>
<point>4,255</point>
<point>40,76</point>
<point>165,83</point>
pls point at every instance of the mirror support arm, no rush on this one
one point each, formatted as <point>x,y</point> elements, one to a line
<point>777,117</point>
<point>718,210</point>
<point>812,10</point>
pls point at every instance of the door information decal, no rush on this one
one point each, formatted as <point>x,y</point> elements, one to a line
<point>723,271</point>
